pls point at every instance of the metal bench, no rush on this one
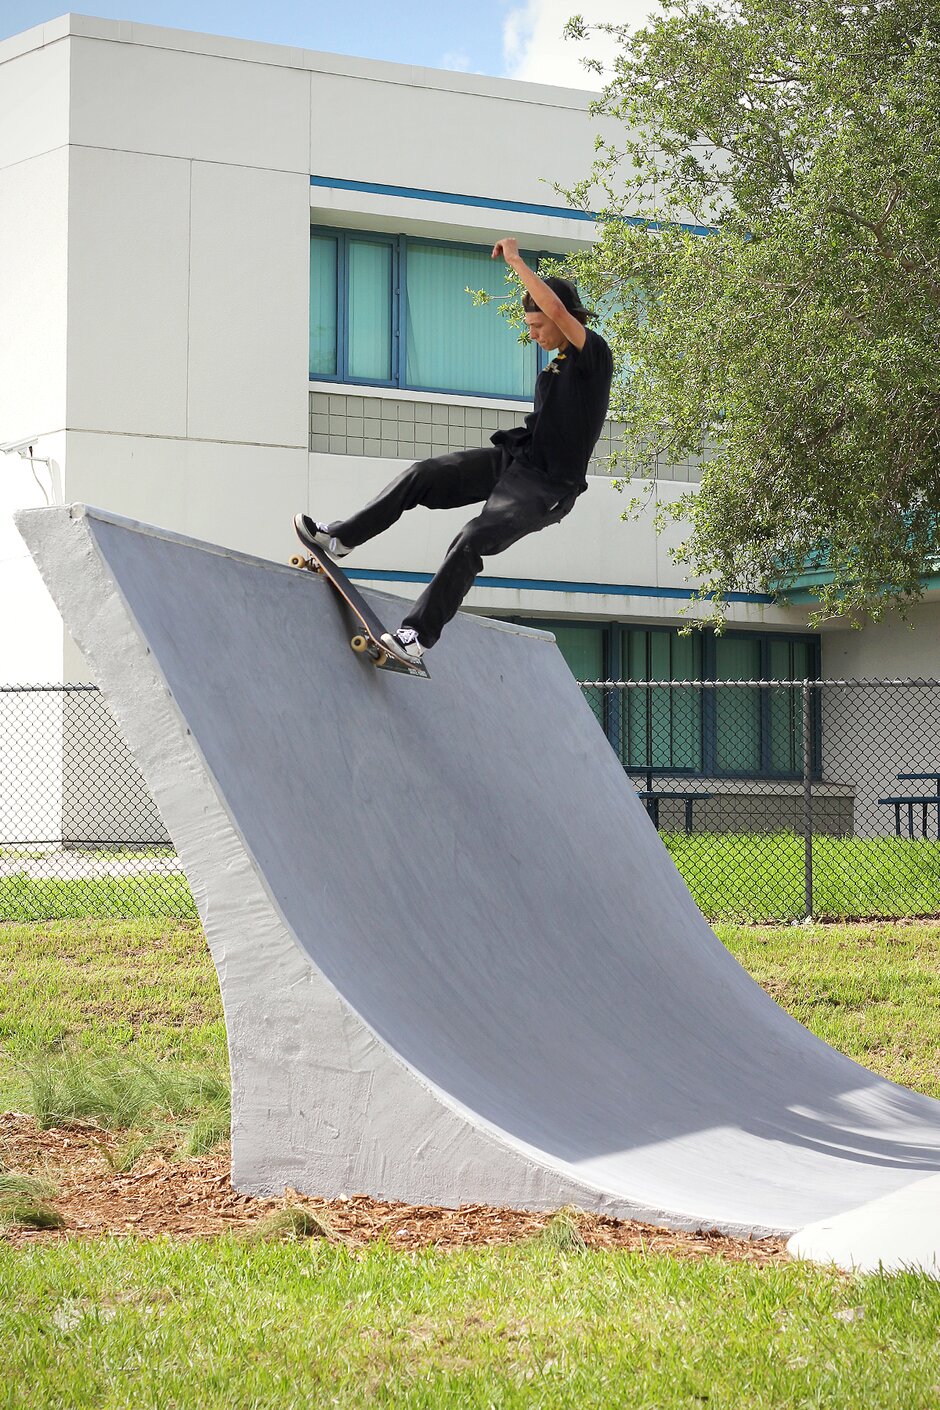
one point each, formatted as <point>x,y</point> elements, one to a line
<point>911,801</point>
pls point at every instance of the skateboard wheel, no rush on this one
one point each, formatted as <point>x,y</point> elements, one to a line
<point>298,561</point>
<point>381,657</point>
<point>360,643</point>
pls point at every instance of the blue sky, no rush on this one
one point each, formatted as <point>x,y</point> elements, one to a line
<point>513,38</point>
<point>418,32</point>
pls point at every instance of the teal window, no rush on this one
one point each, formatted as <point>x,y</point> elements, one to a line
<point>324,323</point>
<point>789,661</point>
<point>369,329</point>
<point>744,731</point>
<point>660,728</point>
<point>393,311</point>
<point>582,648</point>
<point>737,711</point>
<point>450,344</point>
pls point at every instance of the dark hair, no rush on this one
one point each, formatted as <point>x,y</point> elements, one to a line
<point>567,292</point>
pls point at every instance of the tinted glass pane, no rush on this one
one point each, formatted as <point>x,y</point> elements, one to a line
<point>789,660</point>
<point>686,703</point>
<point>661,729</point>
<point>322,306</point>
<point>369,354</point>
<point>634,703</point>
<point>583,649</point>
<point>784,705</point>
<point>659,726</point>
<point>737,712</point>
<point>451,345</point>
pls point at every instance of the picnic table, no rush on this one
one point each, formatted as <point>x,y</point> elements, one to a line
<point>912,801</point>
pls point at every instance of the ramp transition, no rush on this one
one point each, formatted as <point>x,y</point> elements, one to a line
<point>456,961</point>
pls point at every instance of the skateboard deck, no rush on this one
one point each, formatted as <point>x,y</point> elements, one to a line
<point>368,641</point>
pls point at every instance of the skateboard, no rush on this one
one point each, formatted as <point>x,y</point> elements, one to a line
<point>367,642</point>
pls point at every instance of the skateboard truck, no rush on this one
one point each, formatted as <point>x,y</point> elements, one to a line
<point>368,641</point>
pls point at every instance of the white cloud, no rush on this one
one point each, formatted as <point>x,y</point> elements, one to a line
<point>456,61</point>
<point>534,46</point>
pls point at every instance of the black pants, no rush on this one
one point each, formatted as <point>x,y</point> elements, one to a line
<point>518,501</point>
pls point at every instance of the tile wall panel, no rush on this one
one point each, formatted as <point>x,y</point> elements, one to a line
<point>344,424</point>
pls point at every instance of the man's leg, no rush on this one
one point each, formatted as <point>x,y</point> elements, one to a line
<point>520,504</point>
<point>444,482</point>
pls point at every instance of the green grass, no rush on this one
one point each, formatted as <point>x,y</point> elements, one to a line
<point>96,1014</point>
<point>155,1101</point>
<point>295,1319</point>
<point>23,1201</point>
<point>146,991</point>
<point>760,876</point>
<point>25,899</point>
<point>750,877</point>
<point>295,1325</point>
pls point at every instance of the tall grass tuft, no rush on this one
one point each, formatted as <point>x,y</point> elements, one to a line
<point>123,1093</point>
<point>122,1156</point>
<point>23,1201</point>
<point>293,1223</point>
<point>562,1233</point>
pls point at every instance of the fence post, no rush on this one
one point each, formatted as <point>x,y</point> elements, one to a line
<point>808,799</point>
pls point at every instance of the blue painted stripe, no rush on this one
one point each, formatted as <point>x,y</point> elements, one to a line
<point>491,203</point>
<point>395,575</point>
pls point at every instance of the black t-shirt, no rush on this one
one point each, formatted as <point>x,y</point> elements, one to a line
<point>571,398</point>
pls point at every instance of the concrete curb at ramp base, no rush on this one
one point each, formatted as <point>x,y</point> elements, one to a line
<point>457,963</point>
<point>899,1232</point>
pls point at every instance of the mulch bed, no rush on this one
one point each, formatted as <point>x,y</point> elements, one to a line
<point>193,1198</point>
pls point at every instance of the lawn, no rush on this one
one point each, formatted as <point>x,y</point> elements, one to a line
<point>305,1318</point>
<point>290,1326</point>
<point>760,876</point>
<point>753,877</point>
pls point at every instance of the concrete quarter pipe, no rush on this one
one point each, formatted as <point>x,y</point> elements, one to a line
<point>456,961</point>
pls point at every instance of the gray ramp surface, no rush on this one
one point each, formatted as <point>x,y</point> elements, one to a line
<point>457,962</point>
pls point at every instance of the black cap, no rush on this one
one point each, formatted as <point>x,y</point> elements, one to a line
<point>568,293</point>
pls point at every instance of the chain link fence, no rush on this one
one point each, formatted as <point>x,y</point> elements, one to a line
<point>781,800</point>
<point>80,834</point>
<point>778,800</point>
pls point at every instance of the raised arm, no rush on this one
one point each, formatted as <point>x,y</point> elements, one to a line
<point>546,299</point>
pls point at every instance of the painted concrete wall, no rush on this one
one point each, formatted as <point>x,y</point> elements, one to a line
<point>34,98</point>
<point>901,648</point>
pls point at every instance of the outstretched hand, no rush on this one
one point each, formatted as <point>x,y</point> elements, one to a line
<point>508,248</point>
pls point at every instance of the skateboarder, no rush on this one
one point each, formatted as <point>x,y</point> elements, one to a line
<point>528,477</point>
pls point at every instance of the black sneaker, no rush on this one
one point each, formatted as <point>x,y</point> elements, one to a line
<point>404,644</point>
<point>313,534</point>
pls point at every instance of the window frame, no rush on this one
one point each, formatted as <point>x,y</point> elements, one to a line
<point>399,265</point>
<point>342,301</point>
<point>612,643</point>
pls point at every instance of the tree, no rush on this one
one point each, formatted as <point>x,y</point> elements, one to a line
<point>797,336</point>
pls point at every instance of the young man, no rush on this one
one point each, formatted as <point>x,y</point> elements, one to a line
<point>528,477</point>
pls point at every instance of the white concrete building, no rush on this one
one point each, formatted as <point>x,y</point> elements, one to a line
<point>232,286</point>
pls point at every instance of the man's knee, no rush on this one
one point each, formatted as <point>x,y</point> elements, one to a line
<point>417,482</point>
<point>468,544</point>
